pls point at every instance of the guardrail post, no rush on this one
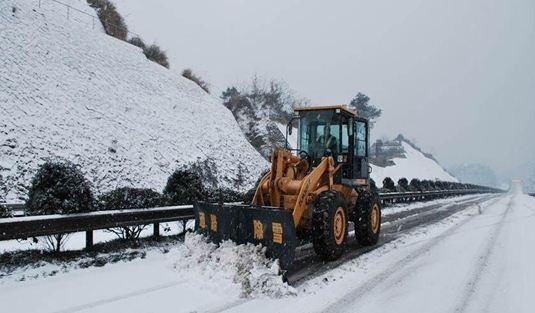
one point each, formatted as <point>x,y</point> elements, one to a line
<point>89,240</point>
<point>156,230</point>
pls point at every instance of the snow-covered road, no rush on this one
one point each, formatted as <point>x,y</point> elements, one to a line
<point>480,259</point>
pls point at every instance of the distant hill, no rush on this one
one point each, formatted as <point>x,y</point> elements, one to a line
<point>68,91</point>
<point>405,159</point>
<point>475,173</point>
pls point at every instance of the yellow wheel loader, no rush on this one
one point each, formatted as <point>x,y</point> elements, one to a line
<point>310,193</point>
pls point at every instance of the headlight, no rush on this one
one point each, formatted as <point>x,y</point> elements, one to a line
<point>340,158</point>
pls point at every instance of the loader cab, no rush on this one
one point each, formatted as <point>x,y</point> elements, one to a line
<point>335,131</point>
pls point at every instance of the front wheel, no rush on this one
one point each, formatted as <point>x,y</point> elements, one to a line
<point>368,218</point>
<point>329,225</point>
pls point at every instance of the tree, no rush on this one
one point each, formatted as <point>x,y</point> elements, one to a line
<point>361,104</point>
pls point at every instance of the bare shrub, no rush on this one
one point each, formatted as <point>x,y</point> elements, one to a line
<point>111,20</point>
<point>154,53</point>
<point>138,42</point>
<point>188,73</point>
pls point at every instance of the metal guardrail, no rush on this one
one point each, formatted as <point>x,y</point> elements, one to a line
<point>42,225</point>
<point>413,196</point>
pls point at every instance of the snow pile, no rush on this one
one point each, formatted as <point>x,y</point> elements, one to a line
<point>414,165</point>
<point>68,91</point>
<point>243,266</point>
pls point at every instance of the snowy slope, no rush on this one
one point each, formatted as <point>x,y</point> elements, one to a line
<point>69,91</point>
<point>414,165</point>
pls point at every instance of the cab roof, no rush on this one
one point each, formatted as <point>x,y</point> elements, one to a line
<point>327,107</point>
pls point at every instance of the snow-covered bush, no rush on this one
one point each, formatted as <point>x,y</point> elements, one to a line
<point>129,198</point>
<point>59,187</point>
<point>184,186</point>
<point>223,195</point>
<point>373,185</point>
<point>388,184</point>
<point>188,73</point>
<point>4,211</point>
<point>403,183</point>
<point>415,184</point>
<point>110,18</point>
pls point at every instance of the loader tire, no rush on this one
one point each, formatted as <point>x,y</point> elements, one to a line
<point>368,218</point>
<point>329,225</point>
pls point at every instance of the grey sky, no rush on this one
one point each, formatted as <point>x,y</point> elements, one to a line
<point>456,76</point>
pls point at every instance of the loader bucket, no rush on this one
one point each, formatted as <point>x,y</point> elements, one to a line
<point>272,227</point>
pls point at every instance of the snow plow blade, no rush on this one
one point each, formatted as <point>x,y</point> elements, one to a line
<point>272,227</point>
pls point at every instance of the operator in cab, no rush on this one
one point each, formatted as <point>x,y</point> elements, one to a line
<point>328,141</point>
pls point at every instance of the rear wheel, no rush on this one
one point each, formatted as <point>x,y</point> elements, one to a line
<point>329,225</point>
<point>368,218</point>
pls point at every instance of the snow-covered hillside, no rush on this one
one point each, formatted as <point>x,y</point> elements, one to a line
<point>414,165</point>
<point>71,92</point>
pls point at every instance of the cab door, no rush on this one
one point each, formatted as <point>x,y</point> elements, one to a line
<point>360,165</point>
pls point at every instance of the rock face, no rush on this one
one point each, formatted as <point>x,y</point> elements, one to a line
<point>68,91</point>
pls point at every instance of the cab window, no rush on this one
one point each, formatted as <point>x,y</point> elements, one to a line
<point>360,139</point>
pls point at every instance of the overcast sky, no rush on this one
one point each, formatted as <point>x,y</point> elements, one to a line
<point>458,77</point>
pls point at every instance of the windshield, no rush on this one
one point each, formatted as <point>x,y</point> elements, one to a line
<point>320,131</point>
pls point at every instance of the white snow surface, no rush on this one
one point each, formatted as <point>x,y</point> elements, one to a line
<point>70,92</point>
<point>414,165</point>
<point>477,260</point>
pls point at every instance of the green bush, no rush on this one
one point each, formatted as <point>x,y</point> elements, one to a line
<point>130,198</point>
<point>184,187</point>
<point>388,183</point>
<point>59,188</point>
<point>403,183</point>
<point>223,195</point>
<point>4,211</point>
<point>416,184</point>
<point>373,186</point>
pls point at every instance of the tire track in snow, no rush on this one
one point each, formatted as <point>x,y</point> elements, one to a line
<point>341,303</point>
<point>132,294</point>
<point>483,261</point>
